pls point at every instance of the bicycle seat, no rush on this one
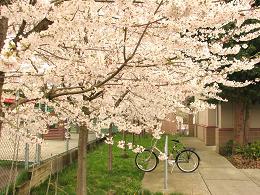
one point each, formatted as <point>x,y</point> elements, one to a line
<point>175,140</point>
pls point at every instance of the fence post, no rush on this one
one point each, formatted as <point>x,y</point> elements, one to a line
<point>26,154</point>
<point>38,152</point>
<point>38,146</point>
<point>26,159</point>
<point>166,163</point>
<point>67,141</point>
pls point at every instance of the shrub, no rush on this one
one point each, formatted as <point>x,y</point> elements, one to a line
<point>251,150</point>
<point>227,149</point>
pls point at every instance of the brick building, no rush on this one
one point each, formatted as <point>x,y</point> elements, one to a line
<point>56,131</point>
<point>216,127</point>
<point>169,125</point>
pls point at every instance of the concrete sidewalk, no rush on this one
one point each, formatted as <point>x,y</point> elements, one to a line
<point>216,175</point>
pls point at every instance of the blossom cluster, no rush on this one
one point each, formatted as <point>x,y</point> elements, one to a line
<point>124,63</point>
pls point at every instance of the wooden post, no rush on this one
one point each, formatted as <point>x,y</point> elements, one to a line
<point>81,172</point>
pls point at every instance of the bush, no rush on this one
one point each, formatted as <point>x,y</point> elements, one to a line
<point>227,149</point>
<point>251,150</point>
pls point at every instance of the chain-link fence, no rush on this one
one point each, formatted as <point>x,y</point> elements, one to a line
<point>16,156</point>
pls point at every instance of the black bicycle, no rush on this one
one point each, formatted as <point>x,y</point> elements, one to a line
<point>187,160</point>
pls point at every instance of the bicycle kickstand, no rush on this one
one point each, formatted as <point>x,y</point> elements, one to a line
<point>172,164</point>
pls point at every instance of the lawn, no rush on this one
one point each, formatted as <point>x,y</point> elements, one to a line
<point>125,178</point>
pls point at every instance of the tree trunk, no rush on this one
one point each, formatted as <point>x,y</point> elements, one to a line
<point>238,122</point>
<point>3,32</point>
<point>110,154</point>
<point>246,124</point>
<point>81,174</point>
<point>191,125</point>
<point>124,155</point>
<point>241,122</point>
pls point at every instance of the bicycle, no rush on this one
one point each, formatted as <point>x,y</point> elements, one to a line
<point>187,160</point>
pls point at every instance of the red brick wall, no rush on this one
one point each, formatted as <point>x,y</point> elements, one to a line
<point>254,134</point>
<point>223,135</point>
<point>169,125</point>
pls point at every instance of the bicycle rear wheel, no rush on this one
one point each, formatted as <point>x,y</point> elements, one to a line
<point>187,161</point>
<point>146,160</point>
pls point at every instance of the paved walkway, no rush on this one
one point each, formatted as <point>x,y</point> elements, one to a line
<point>215,176</point>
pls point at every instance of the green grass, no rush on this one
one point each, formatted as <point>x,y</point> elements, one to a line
<point>22,177</point>
<point>8,163</point>
<point>125,178</point>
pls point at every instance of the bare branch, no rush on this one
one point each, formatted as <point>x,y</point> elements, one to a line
<point>160,4</point>
<point>20,32</point>
<point>121,98</point>
<point>41,26</point>
<point>35,68</point>
<point>22,101</point>
<point>96,95</point>
<point>124,48</point>
<point>74,15</point>
<point>56,56</point>
<point>155,21</point>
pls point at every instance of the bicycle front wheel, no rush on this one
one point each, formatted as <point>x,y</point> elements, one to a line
<point>146,160</point>
<point>187,161</point>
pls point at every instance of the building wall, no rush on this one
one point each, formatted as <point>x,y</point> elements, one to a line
<point>203,117</point>
<point>216,127</point>
<point>254,123</point>
<point>227,119</point>
<point>225,132</point>
<point>223,135</point>
<point>254,113</point>
<point>212,117</point>
<point>205,126</point>
<point>201,132</point>
<point>191,125</point>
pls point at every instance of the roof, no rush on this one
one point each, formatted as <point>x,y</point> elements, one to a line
<point>9,100</point>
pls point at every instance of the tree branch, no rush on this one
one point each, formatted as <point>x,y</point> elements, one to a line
<point>121,98</point>
<point>22,101</point>
<point>96,95</point>
<point>51,96</point>
<point>124,48</point>
<point>20,32</point>
<point>41,26</point>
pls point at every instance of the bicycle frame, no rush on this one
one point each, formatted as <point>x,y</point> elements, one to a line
<point>154,147</point>
<point>171,162</point>
<point>177,157</point>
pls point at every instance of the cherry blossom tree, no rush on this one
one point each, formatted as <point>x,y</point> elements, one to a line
<point>117,61</point>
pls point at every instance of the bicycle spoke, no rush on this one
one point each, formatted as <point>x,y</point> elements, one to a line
<point>146,161</point>
<point>187,161</point>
